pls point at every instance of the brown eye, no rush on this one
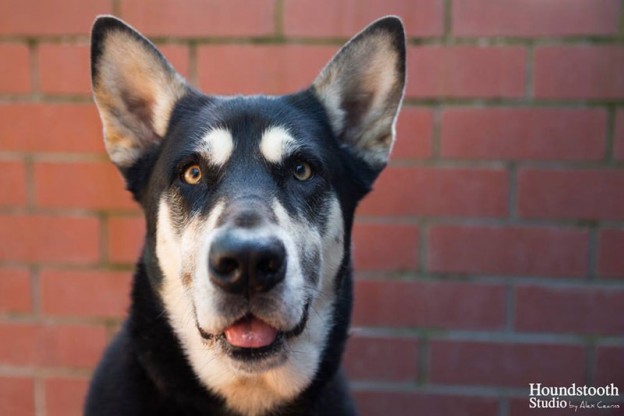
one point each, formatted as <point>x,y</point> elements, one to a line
<point>302,171</point>
<point>192,175</point>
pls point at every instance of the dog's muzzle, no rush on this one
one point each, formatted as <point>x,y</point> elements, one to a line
<point>245,264</point>
<point>246,260</point>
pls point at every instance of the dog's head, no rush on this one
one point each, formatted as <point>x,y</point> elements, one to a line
<point>249,200</point>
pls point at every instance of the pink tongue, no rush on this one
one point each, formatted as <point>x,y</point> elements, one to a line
<point>250,333</point>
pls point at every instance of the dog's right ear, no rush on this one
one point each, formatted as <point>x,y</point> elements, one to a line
<point>362,89</point>
<point>134,87</point>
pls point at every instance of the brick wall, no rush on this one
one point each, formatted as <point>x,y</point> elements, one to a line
<point>491,254</point>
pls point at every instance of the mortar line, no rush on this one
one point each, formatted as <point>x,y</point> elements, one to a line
<point>621,22</point>
<point>592,253</point>
<point>503,406</point>
<point>590,358</point>
<point>192,62</point>
<point>104,239</point>
<point>448,22</point>
<point>529,89</point>
<point>31,194</point>
<point>436,135</point>
<point>510,307</point>
<point>278,19</point>
<point>423,231</point>
<point>36,292</point>
<point>116,7</point>
<point>423,361</point>
<point>512,198</point>
<point>39,396</point>
<point>610,134</point>
<point>339,40</point>
<point>33,48</point>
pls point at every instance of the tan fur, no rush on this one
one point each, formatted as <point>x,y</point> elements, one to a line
<point>128,70</point>
<point>365,67</point>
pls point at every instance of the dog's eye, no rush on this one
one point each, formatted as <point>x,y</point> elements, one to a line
<point>192,175</point>
<point>302,171</point>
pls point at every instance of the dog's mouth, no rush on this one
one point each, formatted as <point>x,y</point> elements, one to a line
<point>250,338</point>
<point>250,332</point>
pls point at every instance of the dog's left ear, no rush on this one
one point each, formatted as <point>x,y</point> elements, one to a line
<point>362,88</point>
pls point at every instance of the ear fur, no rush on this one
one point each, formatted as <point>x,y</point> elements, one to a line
<point>134,87</point>
<point>362,88</point>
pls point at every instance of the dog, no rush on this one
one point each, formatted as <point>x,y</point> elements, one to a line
<point>242,294</point>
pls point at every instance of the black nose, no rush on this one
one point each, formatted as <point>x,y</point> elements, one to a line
<point>243,263</point>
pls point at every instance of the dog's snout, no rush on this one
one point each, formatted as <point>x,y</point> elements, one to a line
<point>246,264</point>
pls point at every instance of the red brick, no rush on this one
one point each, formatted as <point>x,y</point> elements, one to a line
<point>580,72</point>
<point>17,396</point>
<point>74,346</point>
<point>505,364</point>
<point>610,258</point>
<point>15,290</point>
<point>488,72</point>
<point>570,309</point>
<point>254,69</point>
<point>344,18</point>
<point>201,18</point>
<point>414,134</point>
<point>426,191</point>
<point>41,238</point>
<point>382,359</point>
<point>14,67</point>
<point>572,194</point>
<point>618,139</point>
<point>85,293</point>
<point>535,18</point>
<point>55,17</point>
<point>125,238</point>
<point>20,344</point>
<point>64,396</point>
<point>429,304</point>
<point>96,185</point>
<point>51,346</point>
<point>512,133</point>
<point>178,56</point>
<point>507,250</point>
<point>385,247</point>
<point>51,128</point>
<point>13,180</point>
<point>376,403</point>
<point>64,69</point>
<point>609,366</point>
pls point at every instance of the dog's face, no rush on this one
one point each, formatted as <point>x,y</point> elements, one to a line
<point>249,200</point>
<point>249,234</point>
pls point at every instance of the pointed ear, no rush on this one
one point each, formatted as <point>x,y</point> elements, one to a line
<point>135,89</point>
<point>362,88</point>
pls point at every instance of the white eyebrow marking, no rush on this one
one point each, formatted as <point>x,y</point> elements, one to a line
<point>276,143</point>
<point>218,145</point>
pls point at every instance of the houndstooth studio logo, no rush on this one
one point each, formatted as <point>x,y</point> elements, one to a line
<point>573,397</point>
